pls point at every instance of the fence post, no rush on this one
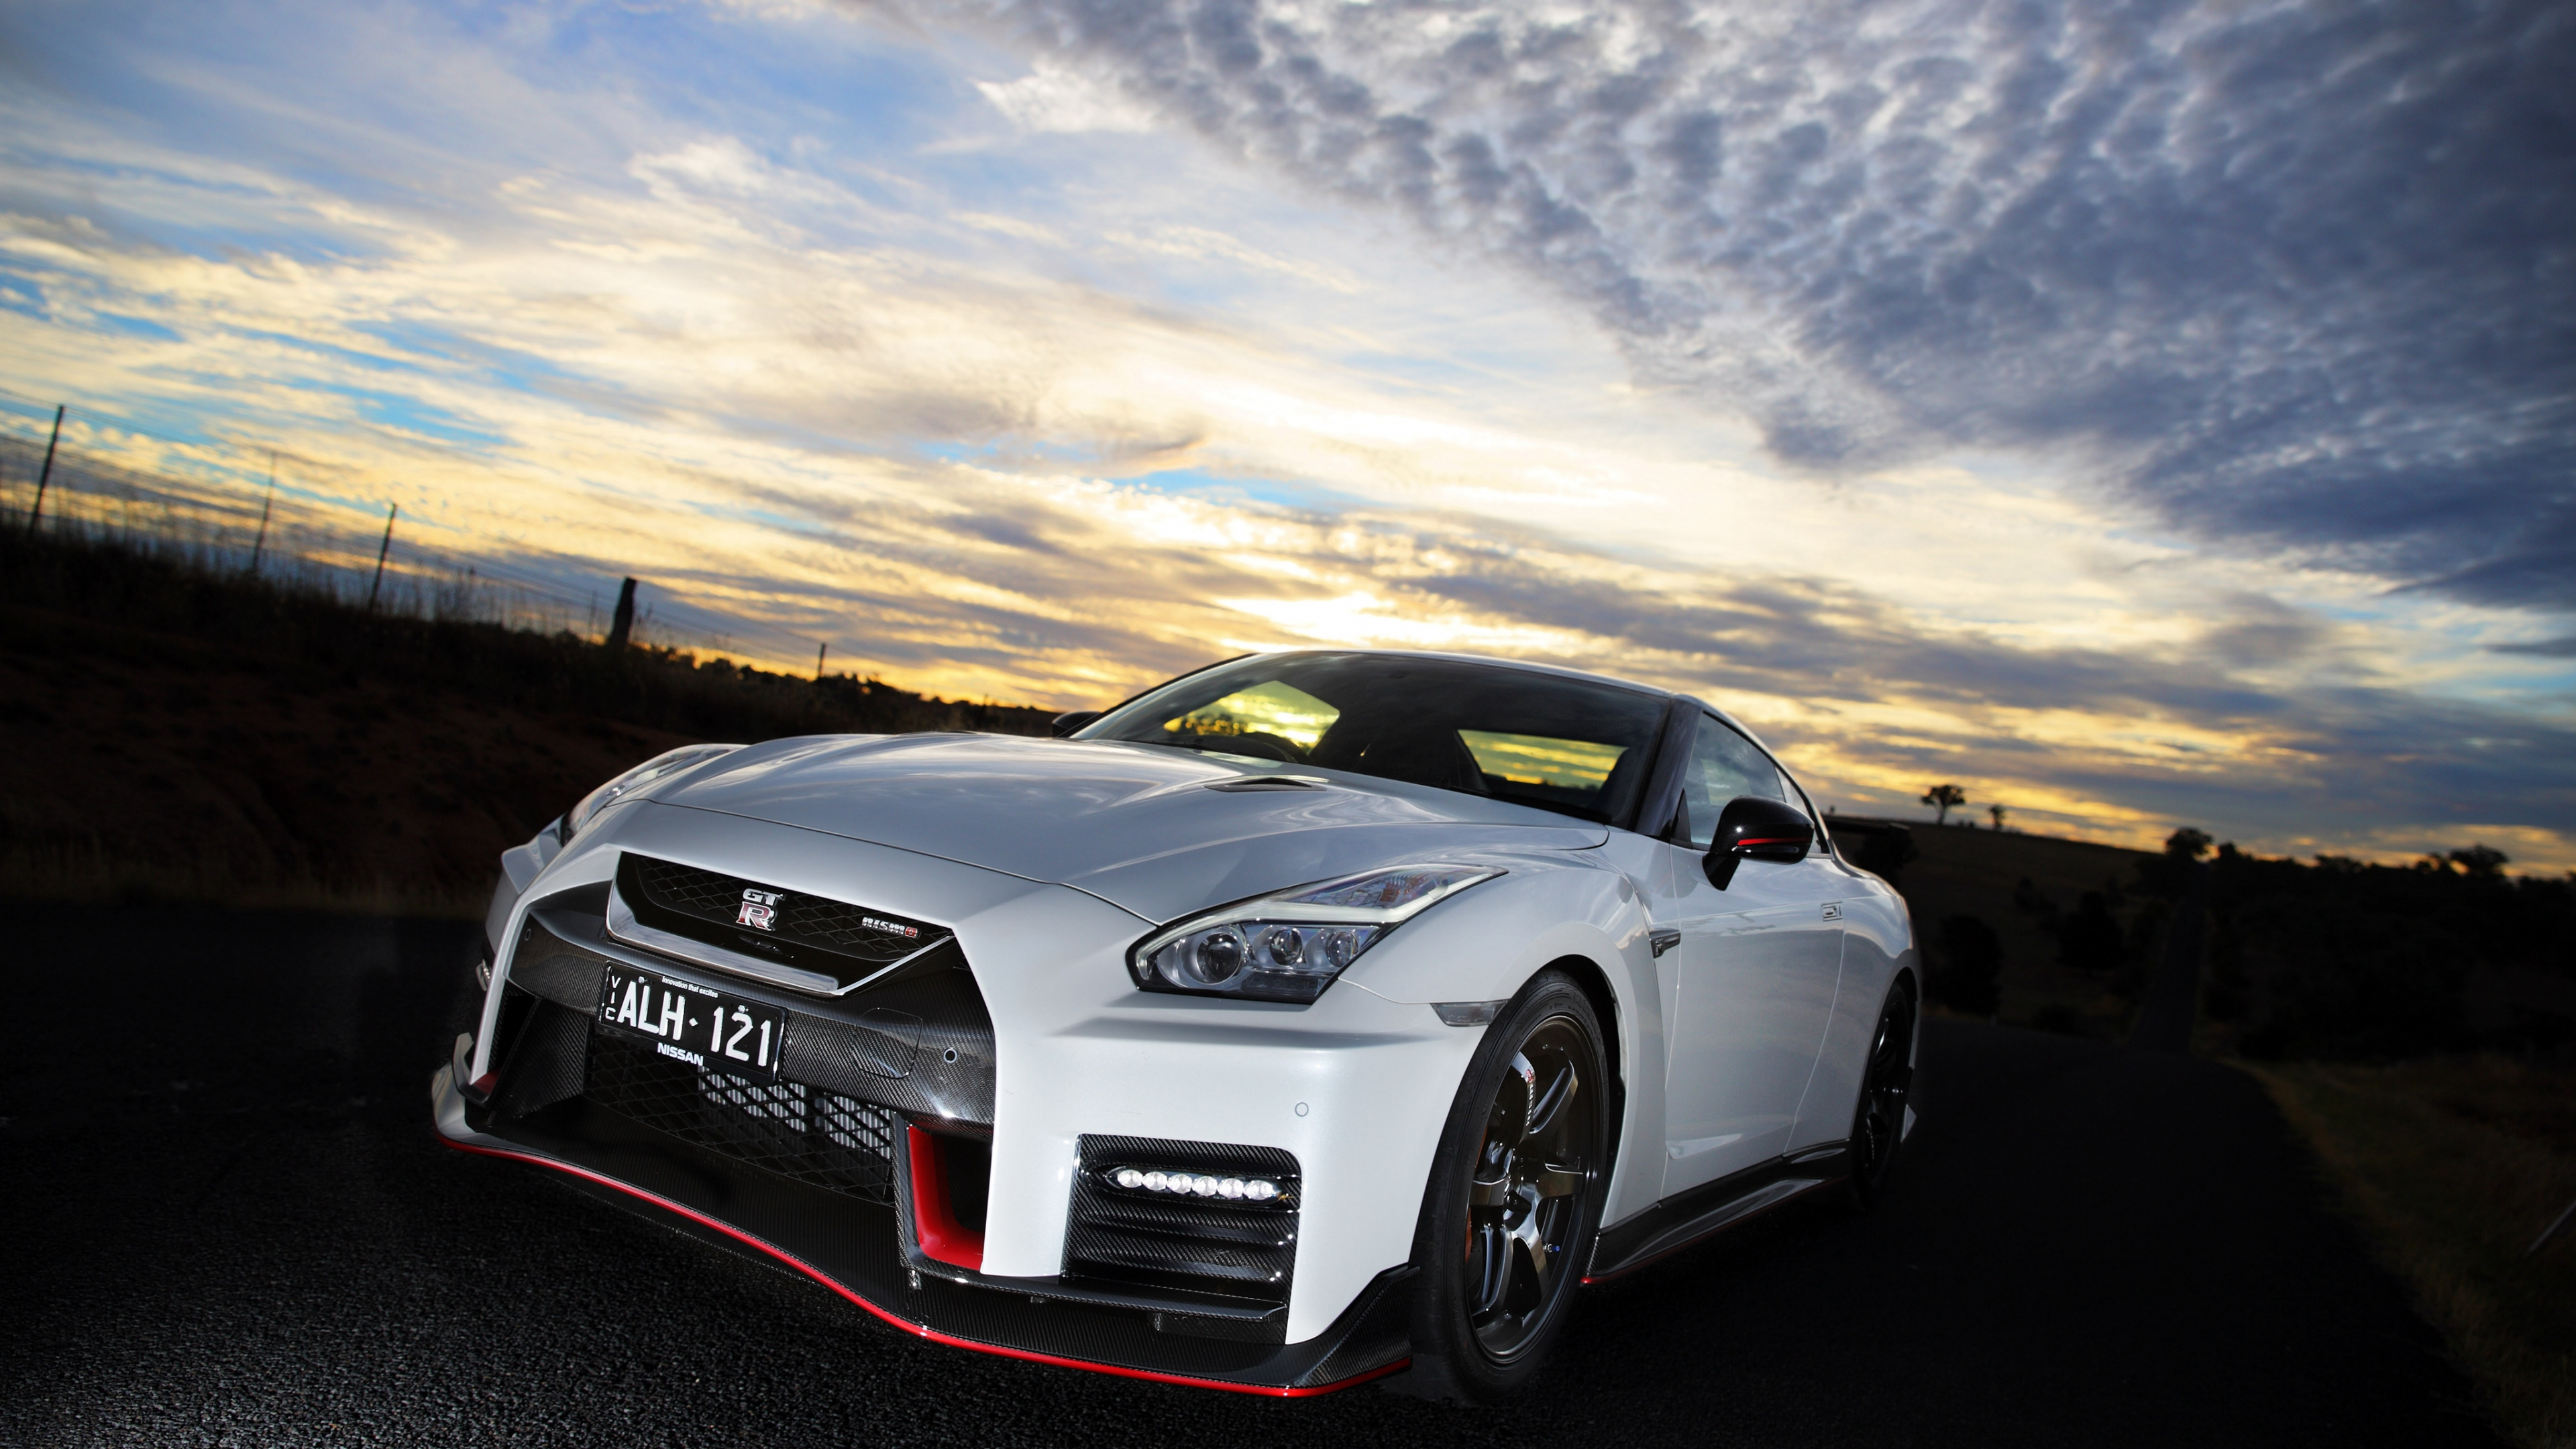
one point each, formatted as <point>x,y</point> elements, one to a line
<point>624,623</point>
<point>36,514</point>
<point>266,504</point>
<point>381,550</point>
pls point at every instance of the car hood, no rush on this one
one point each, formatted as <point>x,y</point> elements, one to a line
<point>1136,825</point>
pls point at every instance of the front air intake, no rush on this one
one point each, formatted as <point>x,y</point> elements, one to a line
<point>802,1133</point>
<point>1202,1217</point>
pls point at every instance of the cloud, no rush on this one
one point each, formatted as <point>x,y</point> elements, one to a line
<point>721,164</point>
<point>1872,700</point>
<point>1054,98</point>
<point>1048,421</point>
<point>2544,648</point>
<point>2256,631</point>
<point>1002,578</point>
<point>2293,277</point>
<point>1198,243</point>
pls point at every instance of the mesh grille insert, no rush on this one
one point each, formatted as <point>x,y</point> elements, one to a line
<point>711,899</point>
<point>801,1133</point>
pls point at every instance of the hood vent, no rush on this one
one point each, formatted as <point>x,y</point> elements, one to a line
<point>1243,783</point>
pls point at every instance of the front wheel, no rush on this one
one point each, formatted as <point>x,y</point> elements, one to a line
<point>1514,1197</point>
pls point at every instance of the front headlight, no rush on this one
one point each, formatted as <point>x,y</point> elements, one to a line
<point>661,766</point>
<point>1290,946</point>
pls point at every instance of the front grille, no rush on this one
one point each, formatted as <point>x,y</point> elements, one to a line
<point>710,905</point>
<point>801,1133</point>
<point>1233,1249</point>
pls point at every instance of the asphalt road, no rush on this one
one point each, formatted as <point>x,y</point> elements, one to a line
<point>226,1222</point>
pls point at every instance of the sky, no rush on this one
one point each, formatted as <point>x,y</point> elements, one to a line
<point>2141,414</point>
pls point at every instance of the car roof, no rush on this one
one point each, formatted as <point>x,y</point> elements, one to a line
<point>1658,692</point>
<point>1733,723</point>
<point>1521,664</point>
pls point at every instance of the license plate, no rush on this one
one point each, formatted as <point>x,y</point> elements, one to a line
<point>693,1023</point>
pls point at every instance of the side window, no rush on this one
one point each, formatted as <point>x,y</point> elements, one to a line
<point>1722,765</point>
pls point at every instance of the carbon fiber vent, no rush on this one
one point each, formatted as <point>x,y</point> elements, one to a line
<point>801,1133</point>
<point>1230,1247</point>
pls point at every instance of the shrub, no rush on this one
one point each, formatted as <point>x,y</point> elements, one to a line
<point>2348,961</point>
<point>2089,939</point>
<point>1968,963</point>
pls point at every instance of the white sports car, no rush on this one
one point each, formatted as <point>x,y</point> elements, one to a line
<point>1310,1016</point>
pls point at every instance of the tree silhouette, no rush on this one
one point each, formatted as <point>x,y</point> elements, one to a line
<point>2189,843</point>
<point>1998,812</point>
<point>1945,798</point>
<point>2481,860</point>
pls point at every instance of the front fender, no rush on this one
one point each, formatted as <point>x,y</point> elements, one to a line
<point>1486,943</point>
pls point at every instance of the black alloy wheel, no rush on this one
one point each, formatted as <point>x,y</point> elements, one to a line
<point>1514,1199</point>
<point>1887,1080</point>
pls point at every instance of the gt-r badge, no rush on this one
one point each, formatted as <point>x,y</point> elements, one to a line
<point>759,908</point>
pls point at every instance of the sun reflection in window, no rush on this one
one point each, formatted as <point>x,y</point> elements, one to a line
<point>1278,710</point>
<point>1537,760</point>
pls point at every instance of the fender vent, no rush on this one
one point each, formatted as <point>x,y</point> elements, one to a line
<point>1236,1248</point>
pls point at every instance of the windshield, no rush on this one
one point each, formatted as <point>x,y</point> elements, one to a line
<point>1569,745</point>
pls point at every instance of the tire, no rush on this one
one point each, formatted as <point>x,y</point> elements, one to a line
<point>1886,1085</point>
<point>1514,1198</point>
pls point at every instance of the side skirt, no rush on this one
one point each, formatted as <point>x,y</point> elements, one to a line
<point>1686,1217</point>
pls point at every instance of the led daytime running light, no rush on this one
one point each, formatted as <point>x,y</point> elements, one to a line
<point>1198,1184</point>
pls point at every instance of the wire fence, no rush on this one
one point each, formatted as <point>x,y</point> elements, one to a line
<point>223,506</point>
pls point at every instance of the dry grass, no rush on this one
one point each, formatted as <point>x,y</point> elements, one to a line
<point>84,874</point>
<point>173,733</point>
<point>2454,1165</point>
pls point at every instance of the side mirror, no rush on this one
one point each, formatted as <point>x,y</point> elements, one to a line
<point>1753,828</point>
<point>1071,720</point>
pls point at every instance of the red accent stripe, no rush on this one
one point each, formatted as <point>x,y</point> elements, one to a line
<point>933,1221</point>
<point>1771,840</point>
<point>915,1329</point>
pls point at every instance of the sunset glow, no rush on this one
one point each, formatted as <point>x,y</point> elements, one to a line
<point>985,363</point>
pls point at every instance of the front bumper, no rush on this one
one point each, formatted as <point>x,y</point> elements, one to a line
<point>852,1249</point>
<point>848,1216</point>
